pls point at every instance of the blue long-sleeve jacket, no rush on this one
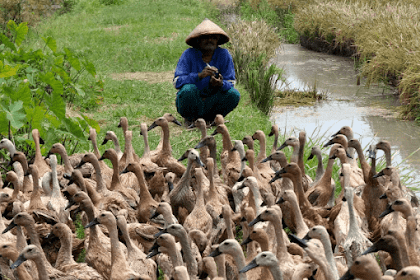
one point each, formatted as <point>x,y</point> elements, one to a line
<point>191,63</point>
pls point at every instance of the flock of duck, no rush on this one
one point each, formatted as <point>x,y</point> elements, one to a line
<point>150,214</point>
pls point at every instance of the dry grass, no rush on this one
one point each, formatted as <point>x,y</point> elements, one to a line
<point>385,35</point>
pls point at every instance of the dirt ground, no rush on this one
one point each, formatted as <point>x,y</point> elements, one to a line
<point>150,77</point>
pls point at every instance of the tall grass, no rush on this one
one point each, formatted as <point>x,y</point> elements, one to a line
<point>253,44</point>
<point>385,36</point>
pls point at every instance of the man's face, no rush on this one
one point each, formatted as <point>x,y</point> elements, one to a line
<point>208,42</point>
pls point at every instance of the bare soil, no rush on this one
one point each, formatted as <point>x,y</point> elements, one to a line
<point>150,77</point>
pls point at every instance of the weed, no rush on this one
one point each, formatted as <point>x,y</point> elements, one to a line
<point>82,256</point>
<point>80,229</point>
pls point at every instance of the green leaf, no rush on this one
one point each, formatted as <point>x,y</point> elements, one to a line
<point>11,25</point>
<point>4,123</point>
<point>15,115</point>
<point>35,115</point>
<point>21,32</point>
<point>74,61</point>
<point>92,123</point>
<point>79,90</point>
<point>74,128</point>
<point>7,42</point>
<point>90,68</point>
<point>63,74</point>
<point>58,106</point>
<point>53,82</point>
<point>7,71</point>
<point>23,93</point>
<point>51,43</point>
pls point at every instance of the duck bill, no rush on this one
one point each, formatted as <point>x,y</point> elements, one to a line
<point>244,159</point>
<point>241,178</point>
<point>387,211</point>
<point>215,253</point>
<point>154,215</point>
<point>298,241</point>
<point>381,173</point>
<point>214,133</point>
<point>175,121</point>
<point>153,125</point>
<point>105,141</point>
<point>153,253</point>
<point>199,145</point>
<point>280,201</point>
<point>80,164</point>
<point>48,155</point>
<point>170,186</point>
<point>256,220</point>
<point>329,143</point>
<point>282,147</point>
<point>21,259</point>
<point>311,156</point>
<point>93,223</point>
<point>384,196</point>
<point>267,159</point>
<point>251,265</point>
<point>276,177</point>
<point>68,177</point>
<point>371,249</point>
<point>9,227</point>
<point>160,233</point>
<point>348,155</point>
<point>246,241</point>
<point>372,153</point>
<point>125,170</point>
<point>199,162</point>
<point>306,237</point>
<point>182,157</point>
<point>347,276</point>
<point>191,126</point>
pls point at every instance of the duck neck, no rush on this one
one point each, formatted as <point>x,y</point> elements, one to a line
<point>262,153</point>
<point>122,224</point>
<point>329,255</point>
<point>353,226</point>
<point>95,146</point>
<point>276,141</point>
<point>67,165</point>
<point>100,186</point>
<point>227,143</point>
<point>320,168</point>
<point>117,255</point>
<point>363,163</point>
<point>276,272</point>
<point>56,192</point>
<point>295,155</point>
<point>146,150</point>
<point>115,181</point>
<point>42,270</point>
<point>300,224</point>
<point>189,259</point>
<point>326,178</point>
<point>117,146</point>
<point>282,254</point>
<point>166,145</point>
<point>64,256</point>
<point>297,183</point>
<point>302,140</point>
<point>144,190</point>
<point>128,148</point>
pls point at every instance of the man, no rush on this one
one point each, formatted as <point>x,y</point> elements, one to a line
<point>205,75</point>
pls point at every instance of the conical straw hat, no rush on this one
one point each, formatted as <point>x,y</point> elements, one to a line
<point>207,27</point>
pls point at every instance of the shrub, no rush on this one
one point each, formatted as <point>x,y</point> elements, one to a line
<point>35,86</point>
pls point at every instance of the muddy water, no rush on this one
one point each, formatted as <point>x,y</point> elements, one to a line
<point>371,112</point>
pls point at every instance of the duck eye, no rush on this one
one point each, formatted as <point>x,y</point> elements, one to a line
<point>357,262</point>
<point>102,215</point>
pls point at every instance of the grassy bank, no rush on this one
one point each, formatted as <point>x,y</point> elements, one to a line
<point>382,35</point>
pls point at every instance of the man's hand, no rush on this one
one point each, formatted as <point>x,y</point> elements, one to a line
<point>207,71</point>
<point>216,82</point>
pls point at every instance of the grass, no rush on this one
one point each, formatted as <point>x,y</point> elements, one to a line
<point>381,34</point>
<point>298,98</point>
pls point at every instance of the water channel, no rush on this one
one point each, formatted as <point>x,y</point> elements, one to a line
<point>371,112</point>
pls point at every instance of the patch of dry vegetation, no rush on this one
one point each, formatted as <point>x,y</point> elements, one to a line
<point>384,37</point>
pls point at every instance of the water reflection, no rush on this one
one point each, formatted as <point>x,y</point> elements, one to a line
<point>369,111</point>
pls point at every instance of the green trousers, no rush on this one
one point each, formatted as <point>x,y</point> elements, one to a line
<point>192,103</point>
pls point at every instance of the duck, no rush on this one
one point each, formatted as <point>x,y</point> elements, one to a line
<point>148,205</point>
<point>9,251</point>
<point>39,161</point>
<point>135,257</point>
<point>200,123</point>
<point>127,187</point>
<point>233,248</point>
<point>65,261</point>
<point>130,153</point>
<point>119,265</point>
<point>164,157</point>
<point>229,159</point>
<point>34,253</point>
<point>199,218</point>
<point>106,171</point>
<point>266,259</point>
<point>364,268</point>
<point>111,136</point>
<point>182,196</point>
<point>274,132</point>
